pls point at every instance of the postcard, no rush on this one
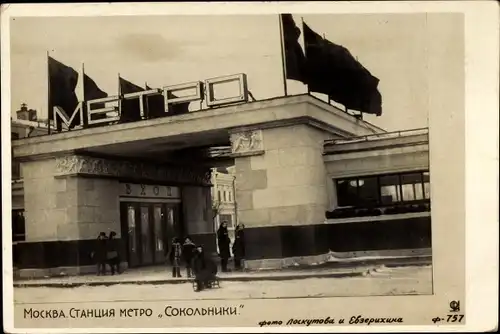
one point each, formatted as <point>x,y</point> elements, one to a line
<point>235,167</point>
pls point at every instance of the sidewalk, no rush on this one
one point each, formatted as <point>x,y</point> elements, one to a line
<point>162,275</point>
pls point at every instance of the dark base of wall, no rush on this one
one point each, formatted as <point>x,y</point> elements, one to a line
<point>260,242</point>
<point>77,253</point>
<point>306,240</point>
<point>52,254</point>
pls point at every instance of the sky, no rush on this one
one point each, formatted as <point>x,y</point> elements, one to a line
<point>166,50</point>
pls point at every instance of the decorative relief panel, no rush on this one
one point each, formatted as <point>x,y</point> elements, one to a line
<point>77,164</point>
<point>247,142</point>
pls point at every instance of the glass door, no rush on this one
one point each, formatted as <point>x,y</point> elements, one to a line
<point>148,229</point>
<point>130,229</point>
<point>146,236</point>
<point>160,250</point>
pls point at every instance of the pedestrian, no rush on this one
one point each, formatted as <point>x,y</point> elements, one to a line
<point>175,257</point>
<point>224,245</point>
<point>239,246</point>
<point>112,255</point>
<point>205,269</point>
<point>100,253</point>
<point>188,249</point>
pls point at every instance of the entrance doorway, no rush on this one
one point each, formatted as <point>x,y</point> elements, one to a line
<point>148,229</point>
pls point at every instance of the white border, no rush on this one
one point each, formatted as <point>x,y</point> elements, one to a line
<point>482,40</point>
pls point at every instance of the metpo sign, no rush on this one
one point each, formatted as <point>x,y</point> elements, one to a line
<point>203,92</point>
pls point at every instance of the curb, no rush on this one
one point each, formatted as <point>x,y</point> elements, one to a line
<point>390,263</point>
<point>186,280</point>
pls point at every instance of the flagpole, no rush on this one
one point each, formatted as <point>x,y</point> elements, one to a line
<point>145,97</point>
<point>305,48</point>
<point>82,81</point>
<point>329,100</point>
<point>119,98</point>
<point>48,95</point>
<point>283,54</point>
<point>82,91</point>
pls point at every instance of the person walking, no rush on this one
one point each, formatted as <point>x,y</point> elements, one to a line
<point>224,245</point>
<point>100,253</point>
<point>175,257</point>
<point>188,250</point>
<point>239,246</point>
<point>112,255</point>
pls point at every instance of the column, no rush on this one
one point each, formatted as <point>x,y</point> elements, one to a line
<point>281,190</point>
<point>197,216</point>
<point>63,216</point>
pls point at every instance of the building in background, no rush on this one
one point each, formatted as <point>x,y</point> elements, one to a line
<point>223,199</point>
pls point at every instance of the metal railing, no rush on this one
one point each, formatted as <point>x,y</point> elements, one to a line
<point>379,136</point>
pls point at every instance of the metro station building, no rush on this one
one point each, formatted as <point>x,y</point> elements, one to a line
<point>310,180</point>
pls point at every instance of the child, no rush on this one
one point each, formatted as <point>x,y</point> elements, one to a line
<point>176,257</point>
<point>188,249</point>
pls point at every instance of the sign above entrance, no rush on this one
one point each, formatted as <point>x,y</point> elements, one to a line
<point>95,112</point>
<point>148,191</point>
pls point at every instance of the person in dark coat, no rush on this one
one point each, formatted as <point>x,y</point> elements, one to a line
<point>100,253</point>
<point>188,249</point>
<point>112,255</point>
<point>224,244</point>
<point>204,268</point>
<point>239,246</point>
<point>175,257</point>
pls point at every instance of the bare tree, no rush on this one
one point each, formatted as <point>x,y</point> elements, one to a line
<point>215,209</point>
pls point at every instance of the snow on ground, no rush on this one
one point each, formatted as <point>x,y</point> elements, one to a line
<point>377,282</point>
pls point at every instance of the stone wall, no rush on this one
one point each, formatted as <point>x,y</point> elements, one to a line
<point>64,215</point>
<point>286,185</point>
<point>280,186</point>
<point>68,207</point>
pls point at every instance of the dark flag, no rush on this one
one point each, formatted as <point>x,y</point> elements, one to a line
<point>332,70</point>
<point>294,55</point>
<point>62,83</point>
<point>156,106</point>
<point>130,109</point>
<point>92,92</point>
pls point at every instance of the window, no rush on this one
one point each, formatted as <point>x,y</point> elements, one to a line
<point>389,189</point>
<point>427,185</point>
<point>225,196</point>
<point>219,196</point>
<point>228,219</point>
<point>347,192</point>
<point>412,187</point>
<point>230,196</point>
<point>18,225</point>
<point>368,191</point>
<point>383,190</point>
<point>16,166</point>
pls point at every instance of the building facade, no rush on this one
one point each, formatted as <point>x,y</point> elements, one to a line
<point>308,180</point>
<point>223,199</point>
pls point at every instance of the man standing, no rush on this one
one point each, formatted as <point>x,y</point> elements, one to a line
<point>100,253</point>
<point>224,244</point>
<point>239,246</point>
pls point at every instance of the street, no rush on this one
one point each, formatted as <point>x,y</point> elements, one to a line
<point>378,282</point>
